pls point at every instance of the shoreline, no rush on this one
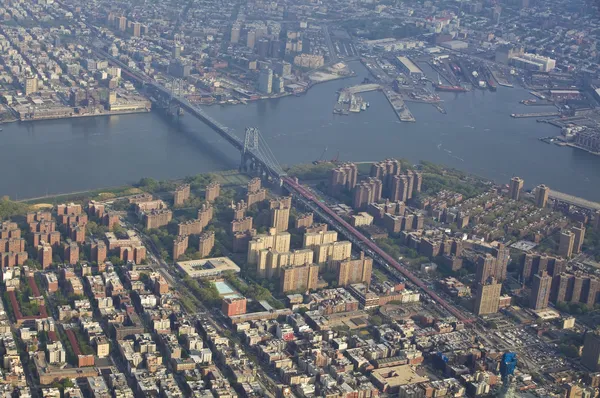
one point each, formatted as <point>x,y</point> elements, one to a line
<point>121,190</point>
<point>114,113</point>
<point>115,189</point>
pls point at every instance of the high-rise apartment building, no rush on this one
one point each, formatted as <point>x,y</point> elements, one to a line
<point>239,210</point>
<point>190,227</point>
<point>52,238</point>
<point>71,253</point>
<point>180,245</point>
<point>366,192</point>
<point>44,252</point>
<point>502,255</point>
<point>12,245</point>
<point>235,33</point>
<point>241,225</point>
<point>330,252</point>
<point>12,259</point>
<point>312,239</point>
<point>304,221</point>
<point>270,262</point>
<point>121,23</point>
<point>10,229</point>
<point>404,186</point>
<point>302,278</point>
<point>575,288</point>
<point>487,298</point>
<point>280,213</point>
<point>265,81</point>
<point>263,45</point>
<point>157,218</point>
<point>110,219</point>
<point>278,241</point>
<point>343,177</point>
<point>515,188</point>
<point>137,254</point>
<point>355,271</point>
<point>385,171</point>
<point>485,268</point>
<point>533,263</point>
<point>136,29</point>
<point>251,38</point>
<point>540,291</point>
<point>579,232</point>
<point>182,193</point>
<point>98,252</point>
<point>566,243</point>
<point>541,196</point>
<point>31,85</point>
<point>399,188</point>
<point>255,192</point>
<point>254,185</point>
<point>205,214</point>
<point>213,190</point>
<point>590,357</point>
<point>206,242</point>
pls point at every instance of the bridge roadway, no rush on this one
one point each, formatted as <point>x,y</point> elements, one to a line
<point>359,238</point>
<point>223,131</point>
<point>365,242</point>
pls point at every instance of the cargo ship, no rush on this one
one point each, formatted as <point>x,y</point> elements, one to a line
<point>491,82</point>
<point>455,89</point>
<point>440,87</point>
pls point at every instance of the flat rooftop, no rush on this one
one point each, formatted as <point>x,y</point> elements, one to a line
<point>398,375</point>
<point>223,288</point>
<point>410,65</point>
<point>208,267</point>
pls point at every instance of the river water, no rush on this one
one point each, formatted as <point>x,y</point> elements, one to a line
<point>477,135</point>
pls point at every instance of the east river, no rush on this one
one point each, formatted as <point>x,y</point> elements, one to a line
<point>476,135</point>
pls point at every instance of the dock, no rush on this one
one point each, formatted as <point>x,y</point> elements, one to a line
<point>500,79</point>
<point>539,114</point>
<point>536,103</point>
<point>538,95</point>
<point>348,102</point>
<point>399,106</point>
<point>363,88</point>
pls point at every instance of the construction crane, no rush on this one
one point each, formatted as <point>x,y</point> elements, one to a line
<point>320,160</point>
<point>336,158</point>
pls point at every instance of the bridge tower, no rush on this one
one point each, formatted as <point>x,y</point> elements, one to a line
<point>248,161</point>
<point>175,109</point>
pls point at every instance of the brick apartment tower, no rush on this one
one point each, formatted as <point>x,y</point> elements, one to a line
<point>206,243</point>
<point>181,194</point>
<point>44,252</point>
<point>71,253</point>
<point>180,245</point>
<point>213,190</point>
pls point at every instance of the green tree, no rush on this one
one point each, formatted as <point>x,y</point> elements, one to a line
<point>9,208</point>
<point>148,184</point>
<point>569,350</point>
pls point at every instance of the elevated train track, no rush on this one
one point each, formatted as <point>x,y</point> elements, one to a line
<point>387,260</point>
<point>255,150</point>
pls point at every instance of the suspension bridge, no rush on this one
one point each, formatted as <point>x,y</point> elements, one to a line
<point>257,157</point>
